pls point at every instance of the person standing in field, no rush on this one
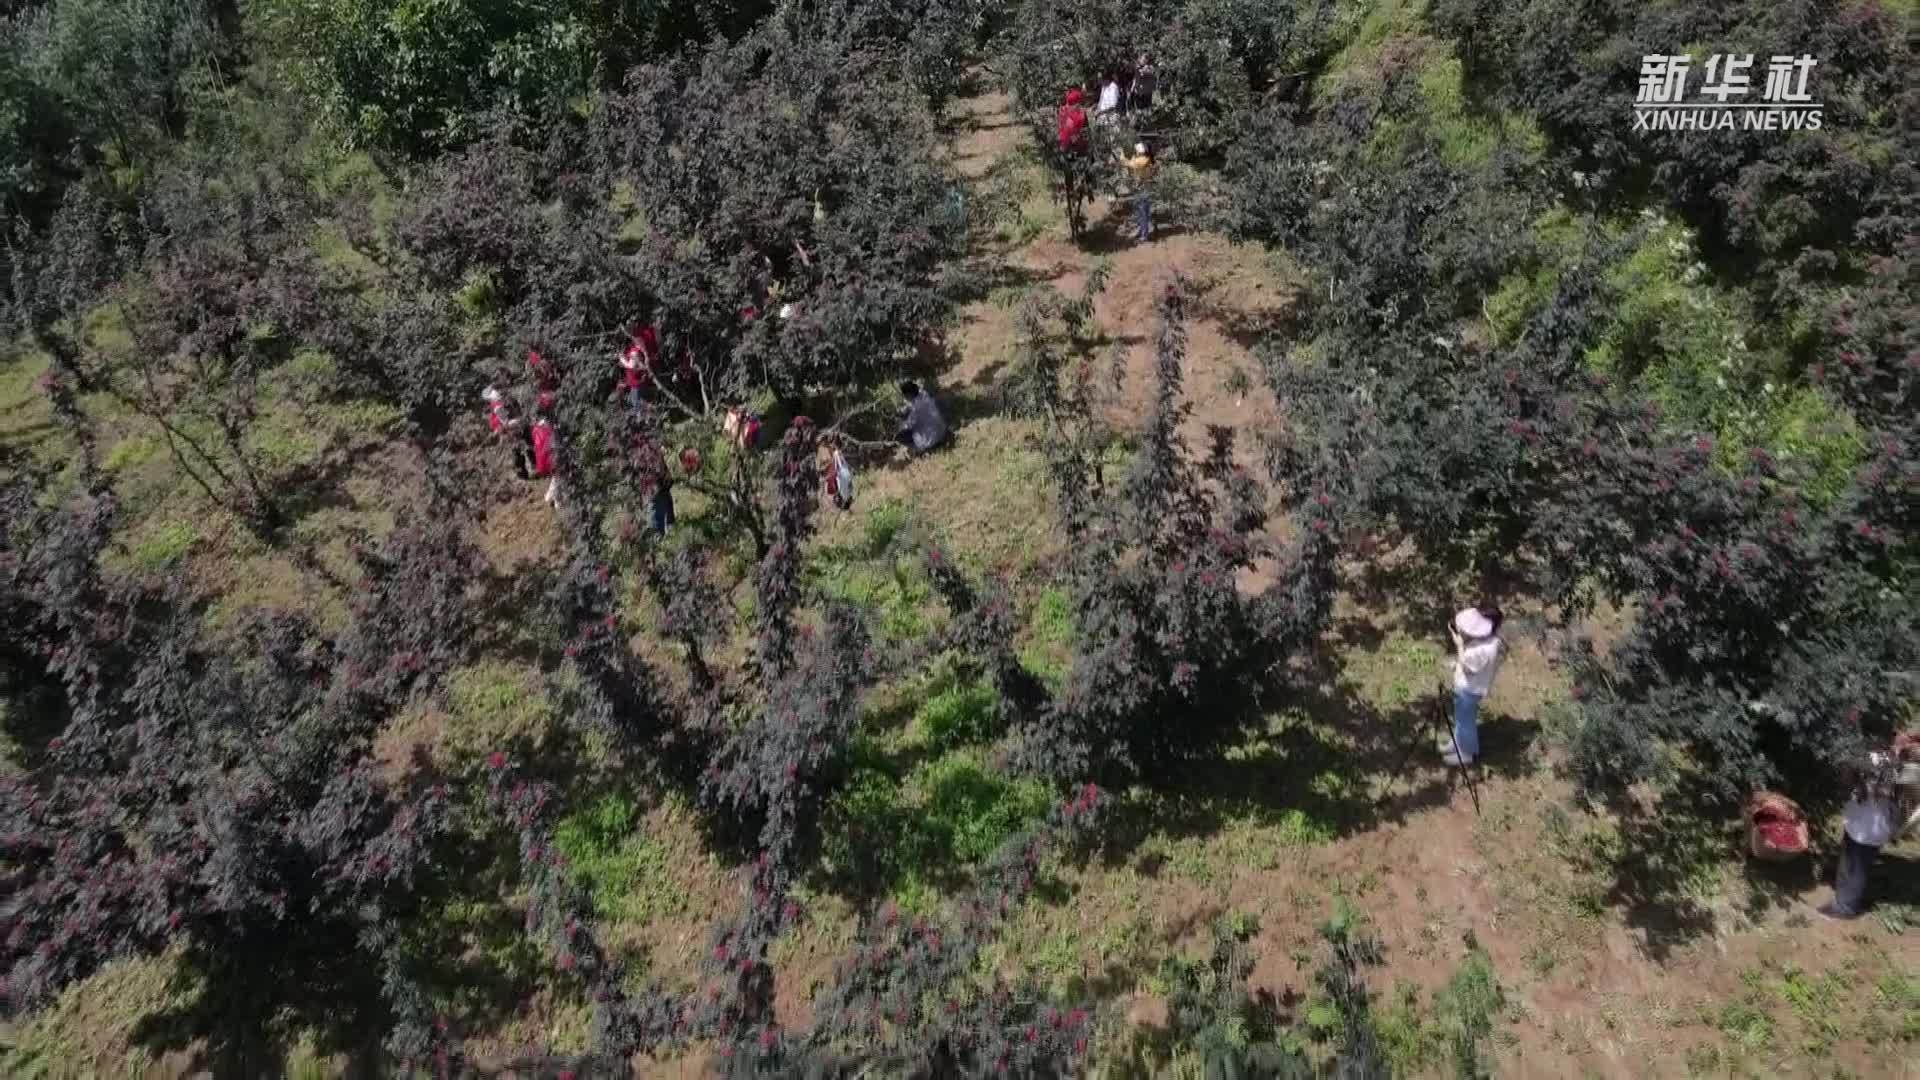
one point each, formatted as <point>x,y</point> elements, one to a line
<point>546,456</point>
<point>1478,650</point>
<point>1873,818</point>
<point>660,506</point>
<point>836,476</point>
<point>1107,111</point>
<point>546,381</point>
<point>1140,90</point>
<point>1140,168</point>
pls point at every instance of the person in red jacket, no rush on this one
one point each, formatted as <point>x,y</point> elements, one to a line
<point>546,381</point>
<point>1071,126</point>
<point>638,364</point>
<point>545,455</point>
<point>500,416</point>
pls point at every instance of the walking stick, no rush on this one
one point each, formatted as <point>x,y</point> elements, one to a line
<point>1446,724</point>
<point>1439,716</point>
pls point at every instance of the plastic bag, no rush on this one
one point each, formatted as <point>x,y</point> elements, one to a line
<point>842,480</point>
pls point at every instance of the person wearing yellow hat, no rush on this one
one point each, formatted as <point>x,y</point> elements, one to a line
<point>1478,650</point>
<point>1140,167</point>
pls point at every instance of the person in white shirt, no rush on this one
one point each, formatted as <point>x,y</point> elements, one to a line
<point>1873,820</point>
<point>1478,651</point>
<point>1109,107</point>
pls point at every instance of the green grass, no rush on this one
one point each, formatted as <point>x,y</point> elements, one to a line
<point>1405,668</point>
<point>1049,636</point>
<point>883,525</point>
<point>1560,237</point>
<point>1748,1028</point>
<point>1465,1010</point>
<point>903,833</point>
<point>960,714</point>
<point>164,544</point>
<point>1296,828</point>
<point>1898,918</point>
<point>1365,25</point>
<point>1398,1020</point>
<point>894,592</point>
<point>133,452</point>
<point>1815,999</point>
<point>288,438</point>
<point>1455,1030</point>
<point>623,869</point>
<point>91,1028</point>
<point>1683,340</point>
<point>479,295</point>
<point>1894,1015</point>
<point>493,705</point>
<point>1466,139</point>
<point>29,420</point>
<point>1802,426</point>
<point>869,574</point>
<point>976,810</point>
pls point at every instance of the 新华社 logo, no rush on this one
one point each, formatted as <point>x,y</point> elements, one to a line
<point>1725,100</point>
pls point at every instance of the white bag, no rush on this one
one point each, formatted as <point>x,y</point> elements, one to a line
<point>843,478</point>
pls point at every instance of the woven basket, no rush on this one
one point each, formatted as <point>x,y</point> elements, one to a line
<point>1776,827</point>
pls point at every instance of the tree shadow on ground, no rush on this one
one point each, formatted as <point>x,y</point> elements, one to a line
<point>1113,230</point>
<point>1333,765</point>
<point>1408,584</point>
<point>1251,328</point>
<point>1894,881</point>
<point>1001,276</point>
<point>1666,870</point>
<point>307,489</point>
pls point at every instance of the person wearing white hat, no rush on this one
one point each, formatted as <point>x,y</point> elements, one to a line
<point>1477,653</point>
<point>504,421</point>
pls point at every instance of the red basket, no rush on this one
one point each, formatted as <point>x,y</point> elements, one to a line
<point>1776,827</point>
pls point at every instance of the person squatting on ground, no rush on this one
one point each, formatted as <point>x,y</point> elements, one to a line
<point>1478,651</point>
<point>1876,815</point>
<point>504,420</point>
<point>923,427</point>
<point>1140,167</point>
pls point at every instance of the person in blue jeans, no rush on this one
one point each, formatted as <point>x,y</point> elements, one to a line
<point>1477,650</point>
